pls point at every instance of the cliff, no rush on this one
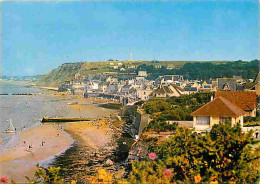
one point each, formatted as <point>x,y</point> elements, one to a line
<point>65,72</point>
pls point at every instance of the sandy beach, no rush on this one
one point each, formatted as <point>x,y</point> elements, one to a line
<point>92,136</point>
<point>19,161</point>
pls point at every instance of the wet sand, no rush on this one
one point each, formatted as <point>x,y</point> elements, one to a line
<point>92,136</point>
<point>18,161</point>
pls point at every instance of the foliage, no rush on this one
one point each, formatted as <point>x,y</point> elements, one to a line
<point>177,114</point>
<point>156,105</point>
<point>46,175</point>
<point>111,106</point>
<point>160,126</point>
<point>252,119</point>
<point>176,108</point>
<point>140,102</point>
<point>149,172</point>
<point>208,70</point>
<point>224,154</point>
<point>251,123</point>
<point>102,176</point>
<point>195,99</point>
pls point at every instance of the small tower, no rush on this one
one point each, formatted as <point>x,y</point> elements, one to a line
<point>131,56</point>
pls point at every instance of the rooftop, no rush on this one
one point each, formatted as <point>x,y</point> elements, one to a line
<point>219,107</point>
<point>244,100</point>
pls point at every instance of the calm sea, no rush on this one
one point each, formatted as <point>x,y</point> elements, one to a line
<point>27,111</point>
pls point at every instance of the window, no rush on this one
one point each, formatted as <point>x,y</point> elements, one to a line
<point>203,120</point>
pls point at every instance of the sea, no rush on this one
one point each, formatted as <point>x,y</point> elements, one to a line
<point>27,111</point>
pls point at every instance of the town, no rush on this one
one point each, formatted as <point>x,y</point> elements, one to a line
<point>130,92</point>
<point>232,97</point>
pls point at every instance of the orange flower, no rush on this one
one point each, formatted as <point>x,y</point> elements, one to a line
<point>213,178</point>
<point>197,178</point>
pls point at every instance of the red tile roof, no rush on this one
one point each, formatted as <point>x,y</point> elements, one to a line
<point>219,107</point>
<point>244,100</point>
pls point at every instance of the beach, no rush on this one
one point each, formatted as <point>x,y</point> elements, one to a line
<point>50,140</point>
<point>19,161</point>
<point>95,137</point>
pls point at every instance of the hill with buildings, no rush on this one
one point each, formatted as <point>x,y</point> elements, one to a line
<point>202,70</point>
<point>67,71</point>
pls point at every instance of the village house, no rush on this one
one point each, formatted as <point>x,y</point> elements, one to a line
<point>191,88</point>
<point>244,100</point>
<point>230,84</point>
<point>164,91</point>
<point>143,93</point>
<point>103,86</point>
<point>255,85</point>
<point>112,79</point>
<point>142,73</point>
<point>112,89</point>
<point>227,105</point>
<point>205,87</point>
<point>173,78</point>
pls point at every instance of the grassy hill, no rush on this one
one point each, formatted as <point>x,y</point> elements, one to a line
<point>67,71</point>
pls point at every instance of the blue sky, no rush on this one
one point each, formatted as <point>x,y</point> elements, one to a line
<point>39,36</point>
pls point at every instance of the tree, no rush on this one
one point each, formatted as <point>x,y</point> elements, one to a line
<point>224,154</point>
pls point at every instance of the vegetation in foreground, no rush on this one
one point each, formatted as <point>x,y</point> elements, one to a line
<point>225,154</point>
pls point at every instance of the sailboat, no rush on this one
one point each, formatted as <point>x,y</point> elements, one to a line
<point>11,128</point>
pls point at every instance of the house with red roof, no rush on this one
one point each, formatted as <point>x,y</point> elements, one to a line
<point>227,105</point>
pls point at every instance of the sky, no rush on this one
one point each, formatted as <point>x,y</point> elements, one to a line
<point>37,37</point>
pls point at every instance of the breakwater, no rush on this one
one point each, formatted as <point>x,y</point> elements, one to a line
<point>22,94</point>
<point>64,119</point>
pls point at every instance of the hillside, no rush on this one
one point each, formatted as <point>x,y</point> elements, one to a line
<point>203,70</point>
<point>59,75</point>
<point>68,70</point>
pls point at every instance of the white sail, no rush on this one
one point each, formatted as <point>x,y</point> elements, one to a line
<point>11,126</point>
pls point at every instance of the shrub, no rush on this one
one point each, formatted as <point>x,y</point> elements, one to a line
<point>224,154</point>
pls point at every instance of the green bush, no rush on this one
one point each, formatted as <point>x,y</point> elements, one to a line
<point>160,126</point>
<point>156,105</point>
<point>224,154</point>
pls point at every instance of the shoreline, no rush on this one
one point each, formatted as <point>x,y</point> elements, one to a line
<point>93,146</point>
<point>18,161</point>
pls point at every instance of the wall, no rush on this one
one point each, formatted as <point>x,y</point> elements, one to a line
<point>135,120</point>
